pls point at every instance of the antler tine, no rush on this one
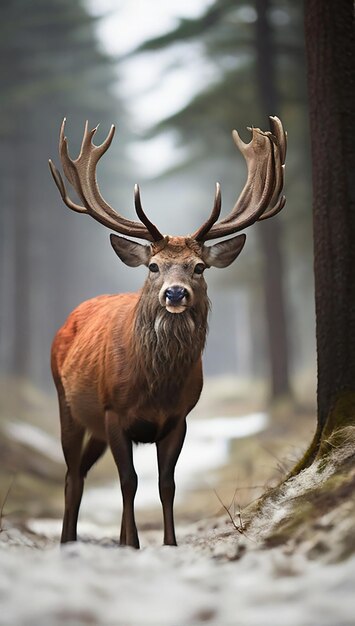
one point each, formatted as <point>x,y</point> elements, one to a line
<point>280,146</point>
<point>88,145</point>
<point>280,134</point>
<point>83,170</point>
<point>62,190</point>
<point>201,232</point>
<point>81,173</point>
<point>66,161</point>
<point>142,216</point>
<point>264,155</point>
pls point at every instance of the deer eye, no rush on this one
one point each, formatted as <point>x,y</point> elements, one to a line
<point>199,268</point>
<point>153,267</point>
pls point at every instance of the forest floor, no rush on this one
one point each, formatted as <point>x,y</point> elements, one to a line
<point>289,559</point>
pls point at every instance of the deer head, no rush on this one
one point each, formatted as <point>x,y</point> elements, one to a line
<point>176,264</point>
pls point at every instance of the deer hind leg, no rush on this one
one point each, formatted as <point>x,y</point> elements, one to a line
<point>168,450</point>
<point>72,442</point>
<point>79,461</point>
<point>121,447</point>
<point>93,450</point>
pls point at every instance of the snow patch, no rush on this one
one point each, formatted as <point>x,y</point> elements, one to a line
<point>87,584</point>
<point>35,438</point>
<point>206,448</point>
<point>279,507</point>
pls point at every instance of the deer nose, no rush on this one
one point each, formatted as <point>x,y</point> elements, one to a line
<point>176,294</point>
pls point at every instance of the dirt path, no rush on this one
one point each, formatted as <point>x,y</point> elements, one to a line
<point>214,577</point>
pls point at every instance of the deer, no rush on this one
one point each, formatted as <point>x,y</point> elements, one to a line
<point>128,367</point>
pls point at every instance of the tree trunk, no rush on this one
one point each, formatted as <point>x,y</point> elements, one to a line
<point>22,274</point>
<point>270,233</point>
<point>330,48</point>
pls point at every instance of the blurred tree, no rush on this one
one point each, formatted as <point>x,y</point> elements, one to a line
<point>330,44</point>
<point>270,232</point>
<point>256,50</point>
<point>51,67</point>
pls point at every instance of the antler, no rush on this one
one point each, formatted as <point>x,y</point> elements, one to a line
<point>81,173</point>
<point>260,198</point>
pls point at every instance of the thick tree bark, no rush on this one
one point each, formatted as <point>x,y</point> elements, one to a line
<point>330,47</point>
<point>270,232</point>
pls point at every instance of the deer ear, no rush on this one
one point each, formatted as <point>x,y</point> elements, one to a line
<point>130,252</point>
<point>223,253</point>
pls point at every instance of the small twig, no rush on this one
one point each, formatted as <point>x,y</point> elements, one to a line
<point>4,503</point>
<point>241,525</point>
<point>233,502</point>
<point>241,528</point>
<point>247,487</point>
<point>227,510</point>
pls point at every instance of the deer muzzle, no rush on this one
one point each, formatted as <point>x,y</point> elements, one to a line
<point>176,298</point>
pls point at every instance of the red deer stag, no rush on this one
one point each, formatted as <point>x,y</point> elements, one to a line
<point>127,367</point>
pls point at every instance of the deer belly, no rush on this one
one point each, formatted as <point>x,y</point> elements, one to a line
<point>142,430</point>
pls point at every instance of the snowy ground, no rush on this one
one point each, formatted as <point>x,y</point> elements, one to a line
<point>185,586</point>
<point>216,576</point>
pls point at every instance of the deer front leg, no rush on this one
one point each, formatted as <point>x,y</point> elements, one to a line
<point>168,450</point>
<point>121,447</point>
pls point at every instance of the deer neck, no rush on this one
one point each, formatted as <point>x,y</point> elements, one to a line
<point>168,345</point>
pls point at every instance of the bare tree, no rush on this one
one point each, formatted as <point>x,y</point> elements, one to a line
<point>270,234</point>
<point>330,43</point>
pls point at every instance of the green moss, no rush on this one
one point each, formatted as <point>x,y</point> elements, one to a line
<point>338,429</point>
<point>322,516</point>
<point>290,525</point>
<point>308,456</point>
<point>342,413</point>
<point>306,520</point>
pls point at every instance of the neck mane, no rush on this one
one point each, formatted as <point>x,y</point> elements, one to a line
<point>168,345</point>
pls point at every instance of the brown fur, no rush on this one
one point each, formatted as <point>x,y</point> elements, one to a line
<point>128,368</point>
<point>125,360</point>
<point>167,346</point>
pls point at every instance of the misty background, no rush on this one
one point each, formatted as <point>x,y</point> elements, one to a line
<point>175,82</point>
<point>175,78</point>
